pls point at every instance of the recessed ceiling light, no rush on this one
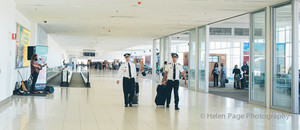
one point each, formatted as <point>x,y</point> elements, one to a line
<point>39,5</point>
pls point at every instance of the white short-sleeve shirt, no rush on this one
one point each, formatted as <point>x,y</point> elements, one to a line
<point>170,68</point>
<point>124,71</point>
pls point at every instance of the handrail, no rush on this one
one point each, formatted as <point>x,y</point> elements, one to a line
<point>66,76</point>
<point>85,75</point>
<point>53,72</point>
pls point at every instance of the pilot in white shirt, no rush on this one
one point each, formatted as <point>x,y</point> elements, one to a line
<point>171,79</point>
<point>127,72</point>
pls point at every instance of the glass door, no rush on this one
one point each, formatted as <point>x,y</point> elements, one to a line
<point>282,57</point>
<point>156,57</point>
<point>257,57</point>
<point>192,59</point>
<point>202,71</point>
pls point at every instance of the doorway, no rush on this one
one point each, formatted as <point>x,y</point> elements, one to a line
<point>229,45</point>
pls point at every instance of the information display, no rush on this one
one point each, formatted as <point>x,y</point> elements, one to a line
<point>42,52</point>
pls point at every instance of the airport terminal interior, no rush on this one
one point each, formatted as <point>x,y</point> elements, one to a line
<point>101,65</point>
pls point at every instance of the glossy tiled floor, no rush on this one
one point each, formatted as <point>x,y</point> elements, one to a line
<point>101,107</point>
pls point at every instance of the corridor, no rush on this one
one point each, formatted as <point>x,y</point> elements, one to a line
<point>101,107</point>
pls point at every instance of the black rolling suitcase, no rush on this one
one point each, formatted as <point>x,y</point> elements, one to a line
<point>135,99</point>
<point>161,96</point>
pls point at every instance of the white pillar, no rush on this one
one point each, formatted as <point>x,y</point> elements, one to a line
<point>162,51</point>
<point>154,58</point>
<point>197,60</point>
<point>167,48</point>
<point>295,73</point>
<point>206,58</point>
<point>162,55</point>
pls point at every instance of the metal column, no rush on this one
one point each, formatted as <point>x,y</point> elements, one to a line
<point>295,73</point>
<point>197,60</point>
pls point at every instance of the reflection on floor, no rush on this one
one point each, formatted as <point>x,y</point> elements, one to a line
<point>101,107</point>
<point>238,94</point>
<point>229,91</point>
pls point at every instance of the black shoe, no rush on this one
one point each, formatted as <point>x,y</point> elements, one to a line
<point>168,106</point>
<point>177,108</point>
<point>126,105</point>
<point>130,104</point>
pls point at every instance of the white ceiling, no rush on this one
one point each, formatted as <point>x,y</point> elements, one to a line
<point>85,24</point>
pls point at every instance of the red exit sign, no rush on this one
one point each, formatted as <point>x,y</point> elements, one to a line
<point>14,36</point>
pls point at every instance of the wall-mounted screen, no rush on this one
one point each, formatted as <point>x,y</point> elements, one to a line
<point>91,54</point>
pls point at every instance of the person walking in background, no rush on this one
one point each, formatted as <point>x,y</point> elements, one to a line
<point>237,77</point>
<point>137,67</point>
<point>100,65</point>
<point>223,75</point>
<point>157,68</point>
<point>163,68</point>
<point>88,64</point>
<point>35,70</point>
<point>215,72</point>
<point>91,65</point>
<point>245,68</point>
<point>118,65</point>
<point>245,79</point>
<point>109,65</point>
<point>127,71</point>
<point>105,65</point>
<point>141,65</point>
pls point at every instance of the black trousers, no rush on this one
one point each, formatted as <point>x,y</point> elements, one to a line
<point>170,85</point>
<point>128,89</point>
<point>216,80</point>
<point>34,79</point>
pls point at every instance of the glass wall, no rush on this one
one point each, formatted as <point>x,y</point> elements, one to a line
<point>282,56</point>
<point>179,43</point>
<point>192,59</point>
<point>202,42</point>
<point>258,57</point>
<point>232,50</point>
<point>157,59</point>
